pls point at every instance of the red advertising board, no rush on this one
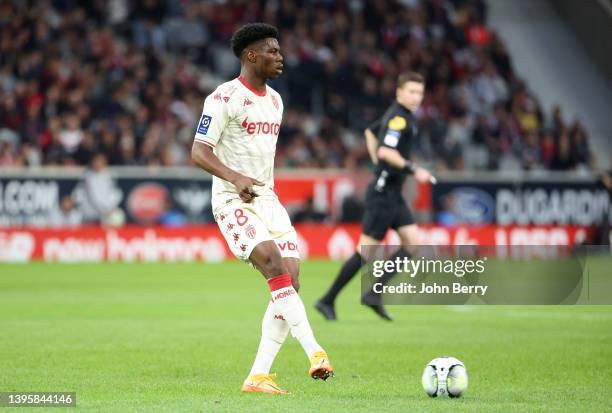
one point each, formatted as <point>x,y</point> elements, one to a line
<point>326,189</point>
<point>205,243</point>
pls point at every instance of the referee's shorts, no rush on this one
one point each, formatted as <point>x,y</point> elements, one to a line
<point>384,210</point>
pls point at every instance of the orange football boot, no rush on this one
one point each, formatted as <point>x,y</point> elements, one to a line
<point>320,367</point>
<point>262,383</point>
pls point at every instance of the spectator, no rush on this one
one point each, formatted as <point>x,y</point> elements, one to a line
<point>580,145</point>
<point>101,195</point>
<point>7,158</point>
<point>66,215</point>
<point>547,149</point>
<point>308,214</point>
<point>86,149</point>
<point>171,217</point>
<point>29,155</point>
<point>71,134</point>
<point>563,159</point>
<point>447,216</point>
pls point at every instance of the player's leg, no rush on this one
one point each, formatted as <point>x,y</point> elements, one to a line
<point>409,238</point>
<point>325,305</point>
<point>376,221</point>
<point>243,231</point>
<point>408,232</point>
<point>267,258</point>
<point>284,281</point>
<point>320,366</point>
<point>274,331</point>
<point>293,266</point>
<point>374,302</point>
<point>274,328</point>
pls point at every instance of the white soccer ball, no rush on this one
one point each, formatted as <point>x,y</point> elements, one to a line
<point>445,377</point>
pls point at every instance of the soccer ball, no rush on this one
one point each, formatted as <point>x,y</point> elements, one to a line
<point>445,377</point>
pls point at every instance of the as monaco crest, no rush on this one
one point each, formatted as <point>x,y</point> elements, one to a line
<point>275,102</point>
<point>250,231</point>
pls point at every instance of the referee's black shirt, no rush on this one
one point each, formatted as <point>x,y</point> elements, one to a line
<point>397,130</point>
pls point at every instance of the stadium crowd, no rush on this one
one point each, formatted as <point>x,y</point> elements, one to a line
<point>127,79</point>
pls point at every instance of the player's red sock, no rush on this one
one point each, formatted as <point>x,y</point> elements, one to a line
<point>290,305</point>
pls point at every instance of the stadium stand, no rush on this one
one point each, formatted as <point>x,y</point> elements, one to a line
<point>128,79</point>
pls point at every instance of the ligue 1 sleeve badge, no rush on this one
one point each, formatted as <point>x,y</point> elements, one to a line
<point>397,123</point>
<point>204,124</point>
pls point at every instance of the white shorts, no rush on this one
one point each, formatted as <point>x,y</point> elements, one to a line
<point>244,225</point>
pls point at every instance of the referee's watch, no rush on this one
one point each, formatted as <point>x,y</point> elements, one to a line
<point>409,167</point>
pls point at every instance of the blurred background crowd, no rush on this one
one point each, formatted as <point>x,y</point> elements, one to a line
<point>128,78</point>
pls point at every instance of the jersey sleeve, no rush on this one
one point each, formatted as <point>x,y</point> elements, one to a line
<point>374,126</point>
<point>390,132</point>
<point>213,121</point>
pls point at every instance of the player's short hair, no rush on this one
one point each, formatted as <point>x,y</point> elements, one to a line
<point>406,77</point>
<point>251,33</point>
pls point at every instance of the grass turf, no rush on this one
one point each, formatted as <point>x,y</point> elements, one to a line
<point>182,337</point>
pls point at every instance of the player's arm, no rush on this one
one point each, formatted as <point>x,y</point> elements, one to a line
<point>214,120</point>
<point>203,156</point>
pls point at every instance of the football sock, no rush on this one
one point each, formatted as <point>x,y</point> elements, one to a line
<point>274,330</point>
<point>387,275</point>
<point>347,272</point>
<point>290,305</point>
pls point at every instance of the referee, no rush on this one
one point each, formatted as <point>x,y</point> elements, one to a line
<point>385,208</point>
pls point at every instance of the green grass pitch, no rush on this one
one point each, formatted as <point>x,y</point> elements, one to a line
<point>182,337</point>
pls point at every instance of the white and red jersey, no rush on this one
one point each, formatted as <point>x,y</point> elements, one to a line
<point>242,126</point>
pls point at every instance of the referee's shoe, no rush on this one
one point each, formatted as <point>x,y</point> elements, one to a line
<point>326,309</point>
<point>374,301</point>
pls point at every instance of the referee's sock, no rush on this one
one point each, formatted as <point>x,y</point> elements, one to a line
<point>374,300</point>
<point>387,275</point>
<point>347,272</point>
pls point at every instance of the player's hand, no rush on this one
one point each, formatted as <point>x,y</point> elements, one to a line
<point>244,187</point>
<point>422,174</point>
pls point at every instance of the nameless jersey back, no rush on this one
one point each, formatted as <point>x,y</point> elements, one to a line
<point>242,126</point>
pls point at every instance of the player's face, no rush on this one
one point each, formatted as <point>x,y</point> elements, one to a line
<point>411,95</point>
<point>269,59</point>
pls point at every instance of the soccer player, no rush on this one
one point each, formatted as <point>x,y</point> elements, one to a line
<point>385,208</point>
<point>235,141</point>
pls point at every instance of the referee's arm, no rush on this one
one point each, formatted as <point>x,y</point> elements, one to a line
<point>372,140</point>
<point>371,144</point>
<point>393,158</point>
